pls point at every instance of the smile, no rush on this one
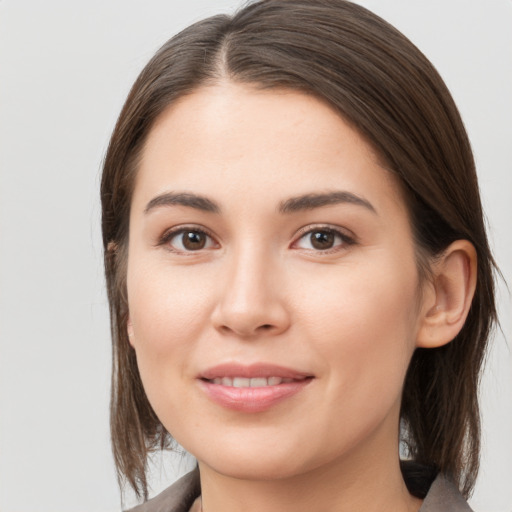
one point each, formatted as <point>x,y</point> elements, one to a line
<point>253,388</point>
<point>243,382</point>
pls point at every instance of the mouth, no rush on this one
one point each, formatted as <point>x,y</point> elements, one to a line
<point>253,388</point>
<point>243,382</point>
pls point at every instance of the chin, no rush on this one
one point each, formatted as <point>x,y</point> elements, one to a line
<point>260,470</point>
<point>264,463</point>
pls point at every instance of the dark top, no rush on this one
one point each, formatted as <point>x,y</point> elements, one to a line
<point>441,495</point>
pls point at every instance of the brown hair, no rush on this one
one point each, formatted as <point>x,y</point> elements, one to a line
<point>381,83</point>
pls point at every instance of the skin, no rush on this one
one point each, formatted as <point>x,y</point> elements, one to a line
<point>259,291</point>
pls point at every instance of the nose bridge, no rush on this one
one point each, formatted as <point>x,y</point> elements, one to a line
<point>251,302</point>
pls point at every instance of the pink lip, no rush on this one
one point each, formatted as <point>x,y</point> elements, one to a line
<point>255,399</point>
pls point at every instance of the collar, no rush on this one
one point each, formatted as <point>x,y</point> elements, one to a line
<point>442,495</point>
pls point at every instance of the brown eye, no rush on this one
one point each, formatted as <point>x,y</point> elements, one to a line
<point>193,240</point>
<point>323,239</point>
<point>188,240</point>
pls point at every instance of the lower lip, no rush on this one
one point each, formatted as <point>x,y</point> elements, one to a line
<point>252,399</point>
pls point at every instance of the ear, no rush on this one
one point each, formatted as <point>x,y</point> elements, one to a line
<point>129,330</point>
<point>448,296</point>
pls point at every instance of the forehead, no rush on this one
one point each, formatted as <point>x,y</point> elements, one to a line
<point>261,142</point>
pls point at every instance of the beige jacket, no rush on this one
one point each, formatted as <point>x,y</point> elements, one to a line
<point>443,496</point>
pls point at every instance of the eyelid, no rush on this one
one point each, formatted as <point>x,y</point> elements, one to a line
<point>170,233</point>
<point>347,237</point>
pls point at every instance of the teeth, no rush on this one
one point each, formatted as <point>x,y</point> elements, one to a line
<point>243,382</point>
<point>258,382</point>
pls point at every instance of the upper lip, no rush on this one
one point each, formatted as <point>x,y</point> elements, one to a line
<point>262,370</point>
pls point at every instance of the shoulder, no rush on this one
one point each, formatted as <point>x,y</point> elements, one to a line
<point>444,496</point>
<point>176,498</point>
<point>438,491</point>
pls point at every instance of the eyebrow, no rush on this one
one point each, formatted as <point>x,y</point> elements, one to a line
<point>183,199</point>
<point>317,200</point>
<point>292,205</point>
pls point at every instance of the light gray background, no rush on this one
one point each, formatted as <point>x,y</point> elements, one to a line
<point>65,69</point>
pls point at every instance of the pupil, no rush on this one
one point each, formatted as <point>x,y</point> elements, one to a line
<point>322,240</point>
<point>194,240</point>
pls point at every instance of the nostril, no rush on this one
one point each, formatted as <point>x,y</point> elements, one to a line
<point>266,327</point>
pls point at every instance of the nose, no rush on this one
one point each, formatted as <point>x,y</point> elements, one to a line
<point>252,302</point>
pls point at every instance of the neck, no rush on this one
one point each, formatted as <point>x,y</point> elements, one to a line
<point>356,483</point>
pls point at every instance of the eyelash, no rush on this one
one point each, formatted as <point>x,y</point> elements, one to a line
<point>171,233</point>
<point>346,240</point>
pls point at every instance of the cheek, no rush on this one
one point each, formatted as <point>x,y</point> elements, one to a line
<point>362,328</point>
<point>166,307</point>
<point>363,320</point>
<point>167,311</point>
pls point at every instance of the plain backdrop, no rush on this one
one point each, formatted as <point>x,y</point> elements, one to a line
<point>65,69</point>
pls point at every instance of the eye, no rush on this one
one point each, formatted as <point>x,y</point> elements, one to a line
<point>187,240</point>
<point>323,239</point>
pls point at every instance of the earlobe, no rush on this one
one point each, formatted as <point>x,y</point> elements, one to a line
<point>448,299</point>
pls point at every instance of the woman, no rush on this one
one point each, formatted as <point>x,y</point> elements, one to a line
<point>297,268</point>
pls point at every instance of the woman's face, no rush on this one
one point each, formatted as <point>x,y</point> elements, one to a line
<point>272,284</point>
